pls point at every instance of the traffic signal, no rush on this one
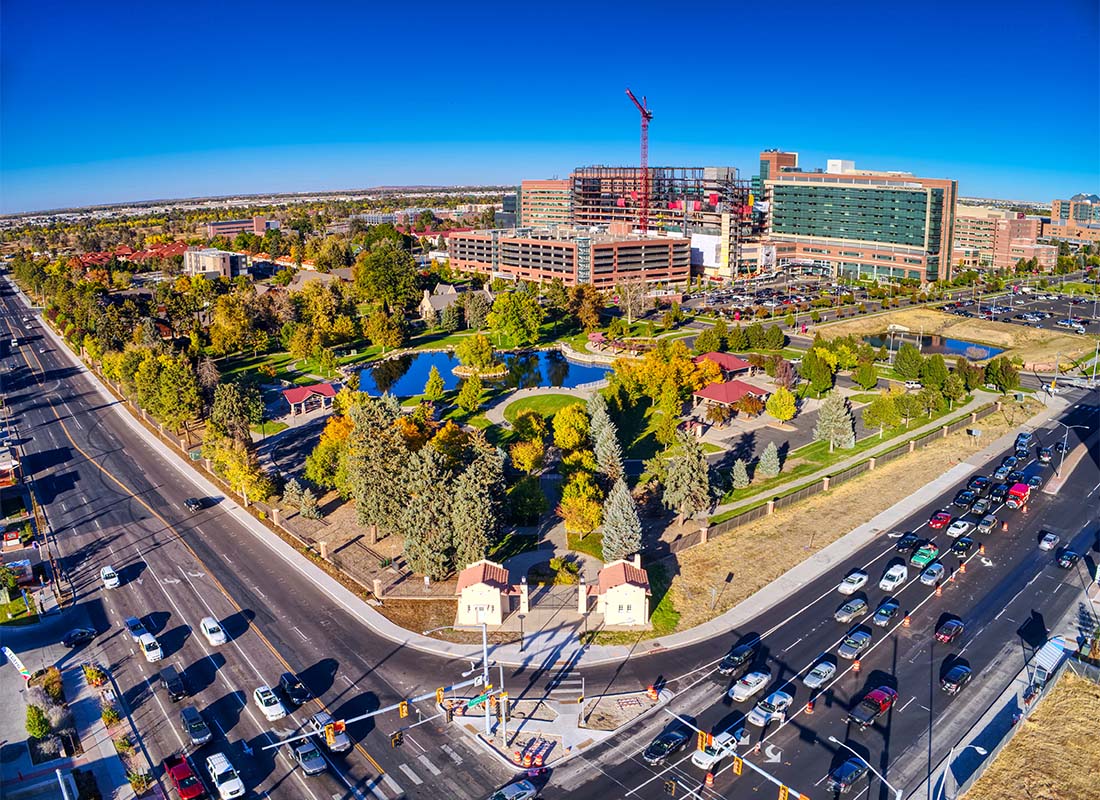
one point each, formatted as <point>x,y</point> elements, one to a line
<point>783,792</point>
<point>403,709</point>
<point>701,741</point>
<point>450,712</point>
<point>439,695</point>
<point>670,788</point>
<point>737,761</point>
<point>330,734</point>
<point>397,738</point>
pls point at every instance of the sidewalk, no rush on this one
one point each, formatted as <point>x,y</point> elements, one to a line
<point>495,412</point>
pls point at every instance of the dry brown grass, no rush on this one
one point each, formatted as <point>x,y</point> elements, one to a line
<point>424,615</point>
<point>1031,344</point>
<point>1053,755</point>
<point>761,551</point>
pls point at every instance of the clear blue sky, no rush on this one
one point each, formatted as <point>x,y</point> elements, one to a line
<point>116,101</point>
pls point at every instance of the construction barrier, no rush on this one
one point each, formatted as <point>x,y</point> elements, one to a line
<point>651,693</point>
<point>855,665</point>
<point>526,759</point>
<point>962,567</point>
<point>517,757</point>
<point>939,590</point>
<point>905,622</point>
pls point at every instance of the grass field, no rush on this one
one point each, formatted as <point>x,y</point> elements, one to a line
<point>545,404</point>
<point>15,613</point>
<point>269,427</point>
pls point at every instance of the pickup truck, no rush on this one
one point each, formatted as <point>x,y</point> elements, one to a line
<point>1018,495</point>
<point>183,777</point>
<point>875,704</point>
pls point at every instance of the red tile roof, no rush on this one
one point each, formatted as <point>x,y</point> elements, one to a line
<point>483,572</point>
<point>727,361</point>
<point>729,392</point>
<point>299,393</point>
<point>618,573</point>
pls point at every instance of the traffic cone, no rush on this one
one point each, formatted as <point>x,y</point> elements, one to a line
<point>651,693</point>
<point>517,757</point>
<point>710,779</point>
<point>981,549</point>
<point>809,706</point>
<point>962,567</point>
<point>939,590</point>
<point>1024,508</point>
<point>1004,526</point>
<point>905,621</point>
<point>855,665</point>
<point>526,759</point>
<point>538,758</point>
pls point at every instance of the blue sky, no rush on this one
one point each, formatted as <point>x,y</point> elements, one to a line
<point>107,102</point>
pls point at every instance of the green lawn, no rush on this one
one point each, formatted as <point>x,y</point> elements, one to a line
<point>1075,287</point>
<point>663,616</point>
<point>512,545</point>
<point>545,404</point>
<point>15,613</point>
<point>592,544</point>
<point>269,427</point>
<point>863,398</point>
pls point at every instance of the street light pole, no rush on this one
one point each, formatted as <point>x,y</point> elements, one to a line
<point>1065,444</point>
<point>484,667</point>
<point>897,792</point>
<point>951,760</point>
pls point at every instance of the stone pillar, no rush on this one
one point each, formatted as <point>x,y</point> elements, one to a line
<point>944,431</point>
<point>825,484</point>
<point>323,549</point>
<point>704,533</point>
<point>378,588</point>
<point>275,514</point>
<point>771,506</point>
<point>582,597</point>
<point>206,461</point>
<point>871,463</point>
<point>912,445</point>
<point>973,417</point>
<point>524,596</point>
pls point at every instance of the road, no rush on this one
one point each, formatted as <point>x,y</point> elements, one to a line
<point>112,499</point>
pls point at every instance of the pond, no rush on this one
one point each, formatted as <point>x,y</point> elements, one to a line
<point>931,345</point>
<point>406,375</point>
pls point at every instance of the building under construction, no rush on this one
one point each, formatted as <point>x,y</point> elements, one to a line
<point>709,205</point>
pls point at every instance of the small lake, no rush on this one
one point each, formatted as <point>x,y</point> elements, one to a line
<point>931,345</point>
<point>406,375</point>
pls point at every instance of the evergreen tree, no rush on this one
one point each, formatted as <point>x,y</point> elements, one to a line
<point>434,388</point>
<point>469,396</point>
<point>755,336</point>
<point>292,492</point>
<point>722,331</point>
<point>817,371</point>
<point>451,318</point>
<point>834,422</point>
<point>1002,374</point>
<point>598,417</point>
<point>426,518</point>
<point>708,341</point>
<point>740,474</point>
<point>737,341</point>
<point>774,338</point>
<point>933,372</point>
<point>476,508</point>
<point>377,456</point>
<point>609,453</point>
<point>622,529</point>
<point>866,376</point>
<point>687,486</point>
<point>308,507</point>
<point>908,362</point>
<point>769,466</point>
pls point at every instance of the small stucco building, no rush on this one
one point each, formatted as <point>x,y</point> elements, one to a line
<point>623,593</point>
<point>445,295</point>
<point>484,594</point>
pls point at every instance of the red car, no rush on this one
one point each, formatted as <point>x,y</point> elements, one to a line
<point>949,631</point>
<point>185,780</point>
<point>939,520</point>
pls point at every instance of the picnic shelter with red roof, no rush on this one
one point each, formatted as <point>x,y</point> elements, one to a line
<point>303,399</point>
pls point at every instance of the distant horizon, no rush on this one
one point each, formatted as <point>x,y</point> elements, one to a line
<point>914,95</point>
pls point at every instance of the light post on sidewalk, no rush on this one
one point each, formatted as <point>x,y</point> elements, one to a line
<point>951,760</point>
<point>1065,444</point>
<point>521,616</point>
<point>897,792</point>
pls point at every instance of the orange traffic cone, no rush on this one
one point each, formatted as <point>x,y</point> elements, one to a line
<point>905,621</point>
<point>538,758</point>
<point>1004,526</point>
<point>939,590</point>
<point>517,757</point>
<point>855,665</point>
<point>981,549</point>
<point>526,759</point>
<point>710,779</point>
<point>962,567</point>
<point>651,693</point>
<point>809,706</point>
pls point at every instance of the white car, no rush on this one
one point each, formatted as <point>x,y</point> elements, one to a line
<point>855,581</point>
<point>751,684</point>
<point>959,528</point>
<point>722,746</point>
<point>817,677</point>
<point>109,577</point>
<point>1048,541</point>
<point>894,577</point>
<point>150,647</point>
<point>213,631</point>
<point>225,778</point>
<point>269,703</point>
<point>774,707</point>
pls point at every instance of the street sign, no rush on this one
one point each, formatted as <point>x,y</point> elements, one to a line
<point>476,701</point>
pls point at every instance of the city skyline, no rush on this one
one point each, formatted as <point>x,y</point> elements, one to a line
<point>491,98</point>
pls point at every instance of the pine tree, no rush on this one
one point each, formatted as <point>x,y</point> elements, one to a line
<point>377,456</point>
<point>598,417</point>
<point>737,341</point>
<point>622,530</point>
<point>477,504</point>
<point>740,474</point>
<point>426,519</point>
<point>708,341</point>
<point>722,331</point>
<point>774,338</point>
<point>908,362</point>
<point>308,507</point>
<point>469,396</point>
<point>834,422</point>
<point>434,388</point>
<point>687,487</point>
<point>609,453</point>
<point>292,492</point>
<point>866,375</point>
<point>934,371</point>
<point>769,466</point>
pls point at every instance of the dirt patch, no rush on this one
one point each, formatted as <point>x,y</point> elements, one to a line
<point>775,544</point>
<point>611,711</point>
<point>424,615</point>
<point>1053,754</point>
<point>1033,345</point>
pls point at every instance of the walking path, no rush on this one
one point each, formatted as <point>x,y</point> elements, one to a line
<point>495,412</point>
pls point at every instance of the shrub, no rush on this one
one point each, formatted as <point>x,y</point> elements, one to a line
<point>139,781</point>
<point>123,744</point>
<point>110,715</point>
<point>94,675</point>
<point>51,683</point>
<point>38,726</point>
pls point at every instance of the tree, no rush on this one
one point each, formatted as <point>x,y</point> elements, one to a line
<point>769,465</point>
<point>377,457</point>
<point>737,340</point>
<point>817,370</point>
<point>973,376</point>
<point>609,453</point>
<point>526,501</point>
<point>518,316</point>
<point>750,405</point>
<point>866,375</point>
<point>834,422</point>
<point>585,303</point>
<point>385,330</point>
<point>387,274</point>
<point>469,396</point>
<point>934,371</point>
<point>774,338</point>
<point>478,500</point>
<point>580,505</point>
<point>38,724</point>
<point>670,407</point>
<point>530,426</point>
<point>528,456</point>
<point>717,413</point>
<point>953,389</point>
<point>908,362</point>
<point>571,427</point>
<point>476,310</point>
<point>476,352</point>
<point>687,486</point>
<point>434,389</point>
<point>931,400</point>
<point>179,399</point>
<point>208,377</point>
<point>755,336</point>
<point>707,341</point>
<point>634,299</point>
<point>426,517</point>
<point>781,405</point>
<point>785,375</point>
<point>292,492</point>
<point>740,474</point>
<point>308,508</point>
<point>237,407</point>
<point>1002,374</point>
<point>908,406</point>
<point>451,318</point>
<point>881,413</point>
<point>622,529</point>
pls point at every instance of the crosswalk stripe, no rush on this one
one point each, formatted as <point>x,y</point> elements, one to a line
<point>392,785</point>
<point>428,765</point>
<point>412,775</point>
<point>455,757</point>
<point>457,789</point>
<point>372,787</point>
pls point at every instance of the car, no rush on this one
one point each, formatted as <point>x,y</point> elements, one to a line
<point>721,745</point>
<point>150,647</point>
<point>1067,558</point>
<point>956,678</point>
<point>979,484</point>
<point>78,636</point>
<point>819,675</point>
<point>981,506</point>
<point>988,524</point>
<point>751,684</point>
<point>666,744</point>
<point>854,643</point>
<point>914,385</point>
<point>772,708</point>
<point>1010,462</point>
<point>1060,448</point>
<point>998,493</point>
<point>1035,481</point>
<point>847,775</point>
<point>135,627</point>
<point>894,577</point>
<point>225,778</point>
<point>738,658</point>
<point>959,527</point>
<point>1001,474</point>
<point>1024,439</point>
<point>269,703</point>
<point>193,504</point>
<point>109,577</point>
<point>950,631</point>
<point>293,689</point>
<point>941,519</point>
<point>173,683</point>
<point>1014,477</point>
<point>965,498</point>
<point>873,705</point>
<point>520,790</point>
<point>309,758</point>
<point>850,610</point>
<point>927,553</point>
<point>855,581</point>
<point>907,542</point>
<point>1048,541</point>
<point>213,631</point>
<point>886,611</point>
<point>1046,455</point>
<point>194,726</point>
<point>340,741</point>
<point>962,546</point>
<point>933,575</point>
<point>183,777</point>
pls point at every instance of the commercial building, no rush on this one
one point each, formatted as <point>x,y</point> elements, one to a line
<point>231,227</point>
<point>865,224</point>
<point>599,256</point>
<point>1076,220</point>
<point>995,238</point>
<point>508,216</point>
<point>214,263</point>
<point>544,204</point>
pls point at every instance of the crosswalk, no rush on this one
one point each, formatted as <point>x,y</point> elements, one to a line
<point>421,770</point>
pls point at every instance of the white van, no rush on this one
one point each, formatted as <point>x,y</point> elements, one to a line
<point>224,776</point>
<point>150,647</point>
<point>722,746</point>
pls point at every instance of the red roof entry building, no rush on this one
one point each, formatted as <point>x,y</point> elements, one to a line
<point>727,362</point>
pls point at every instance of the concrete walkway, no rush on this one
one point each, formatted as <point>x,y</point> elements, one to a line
<point>495,412</point>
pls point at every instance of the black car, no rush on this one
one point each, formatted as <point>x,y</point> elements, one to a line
<point>956,678</point>
<point>194,726</point>
<point>844,777</point>
<point>665,745</point>
<point>293,688</point>
<point>1011,461</point>
<point>1014,477</point>
<point>907,543</point>
<point>1067,558</point>
<point>78,636</point>
<point>193,504</point>
<point>998,493</point>
<point>1045,455</point>
<point>962,546</point>
<point>173,683</point>
<point>979,484</point>
<point>739,658</point>
<point>1060,447</point>
<point>965,498</point>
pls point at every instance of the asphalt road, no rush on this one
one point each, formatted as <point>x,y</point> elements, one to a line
<point>111,499</point>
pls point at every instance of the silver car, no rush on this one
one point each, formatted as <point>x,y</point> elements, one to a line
<point>854,643</point>
<point>340,740</point>
<point>773,708</point>
<point>819,675</point>
<point>307,754</point>
<point>932,576</point>
<point>850,610</point>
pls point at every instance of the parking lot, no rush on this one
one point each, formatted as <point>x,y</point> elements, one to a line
<point>1044,310</point>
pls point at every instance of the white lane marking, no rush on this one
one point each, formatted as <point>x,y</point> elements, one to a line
<point>227,561</point>
<point>77,423</point>
<point>455,757</point>
<point>411,739</point>
<point>304,637</point>
<point>64,507</point>
<point>911,699</point>
<point>392,785</point>
<point>261,594</point>
<point>792,644</point>
<point>428,765</point>
<point>411,775</point>
<point>372,787</point>
<point>349,681</point>
<point>100,527</point>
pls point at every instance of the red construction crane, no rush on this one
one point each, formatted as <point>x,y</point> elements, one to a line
<point>643,201</point>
